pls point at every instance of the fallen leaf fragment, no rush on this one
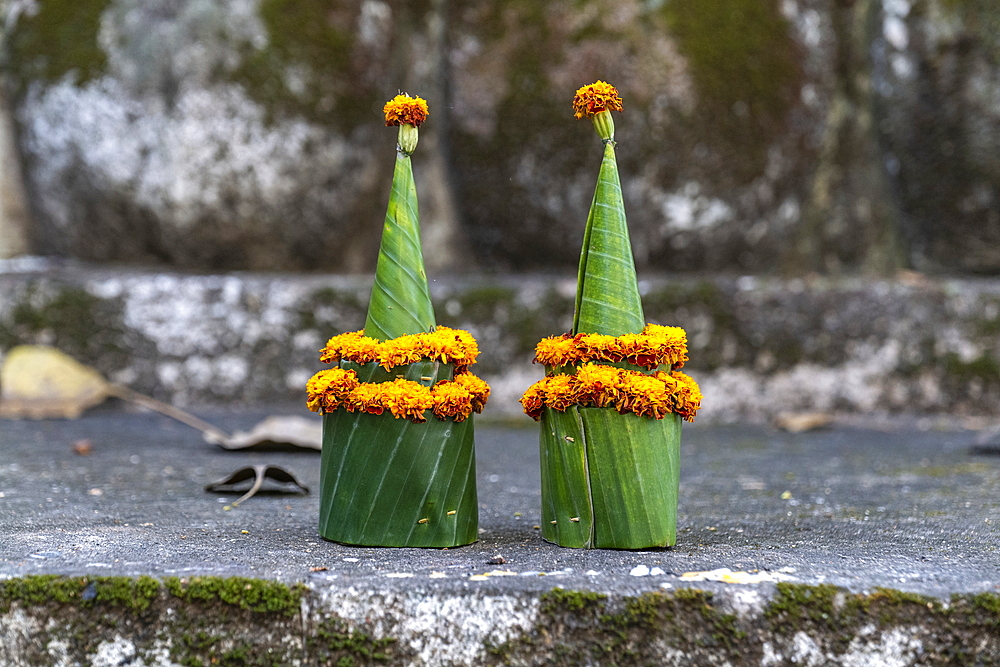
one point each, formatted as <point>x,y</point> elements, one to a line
<point>800,422</point>
<point>40,382</point>
<point>276,430</point>
<point>259,473</point>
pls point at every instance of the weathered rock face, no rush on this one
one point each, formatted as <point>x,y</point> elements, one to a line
<point>205,134</point>
<point>757,136</point>
<point>938,93</point>
<point>705,140</point>
<point>757,347</point>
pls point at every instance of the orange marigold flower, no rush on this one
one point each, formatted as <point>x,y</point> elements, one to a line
<point>687,398</point>
<point>400,351</point>
<point>644,395</point>
<point>597,385</point>
<point>454,345</point>
<point>598,347</point>
<point>533,401</point>
<point>353,345</point>
<point>326,390</point>
<point>477,387</point>
<point>655,346</point>
<point>445,345</point>
<point>403,109</point>
<point>662,345</point>
<point>406,399</point>
<point>556,351</point>
<point>366,397</point>
<point>560,391</point>
<point>451,400</point>
<point>595,98</point>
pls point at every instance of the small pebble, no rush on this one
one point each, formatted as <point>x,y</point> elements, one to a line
<point>496,560</point>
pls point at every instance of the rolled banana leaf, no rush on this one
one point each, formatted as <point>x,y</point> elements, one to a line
<point>393,483</point>
<point>609,480</point>
<point>400,302</point>
<point>386,481</point>
<point>607,290</point>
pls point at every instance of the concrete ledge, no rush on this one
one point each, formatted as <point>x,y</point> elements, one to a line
<point>758,345</point>
<point>858,546</point>
<point>236,621</point>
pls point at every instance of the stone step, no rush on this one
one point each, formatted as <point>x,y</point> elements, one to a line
<point>759,346</point>
<point>846,546</point>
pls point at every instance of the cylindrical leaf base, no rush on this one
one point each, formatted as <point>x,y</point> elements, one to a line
<point>393,483</point>
<point>609,480</point>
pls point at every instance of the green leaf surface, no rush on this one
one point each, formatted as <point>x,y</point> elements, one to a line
<point>390,482</point>
<point>607,296</point>
<point>400,301</point>
<point>634,465</point>
<point>565,480</point>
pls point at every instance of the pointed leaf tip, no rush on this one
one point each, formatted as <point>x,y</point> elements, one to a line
<point>607,300</point>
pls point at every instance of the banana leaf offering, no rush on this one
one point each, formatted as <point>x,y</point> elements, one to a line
<point>613,397</point>
<point>398,461</point>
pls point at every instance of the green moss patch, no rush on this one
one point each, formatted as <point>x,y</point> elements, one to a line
<point>60,39</point>
<point>252,594</point>
<point>744,64</point>
<point>334,644</point>
<point>316,39</point>
<point>135,594</point>
<point>204,621</point>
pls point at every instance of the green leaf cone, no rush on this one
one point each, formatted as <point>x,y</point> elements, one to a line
<point>609,480</point>
<point>400,302</point>
<point>607,291</point>
<point>386,481</point>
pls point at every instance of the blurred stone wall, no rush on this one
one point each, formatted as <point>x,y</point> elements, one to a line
<point>758,347</point>
<point>763,136</point>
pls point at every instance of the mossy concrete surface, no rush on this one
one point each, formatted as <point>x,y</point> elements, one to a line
<point>758,346</point>
<point>874,545</point>
<point>48,620</point>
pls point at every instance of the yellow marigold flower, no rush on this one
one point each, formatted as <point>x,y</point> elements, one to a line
<point>664,345</point>
<point>400,351</point>
<point>451,400</point>
<point>454,345</point>
<point>326,390</point>
<point>556,351</point>
<point>560,391</point>
<point>353,346</point>
<point>597,385</point>
<point>655,346</point>
<point>598,347</point>
<point>687,397</point>
<point>644,395</point>
<point>477,387</point>
<point>445,345</point>
<point>406,399</point>
<point>405,110</point>
<point>533,400</point>
<point>366,397</point>
<point>595,98</point>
